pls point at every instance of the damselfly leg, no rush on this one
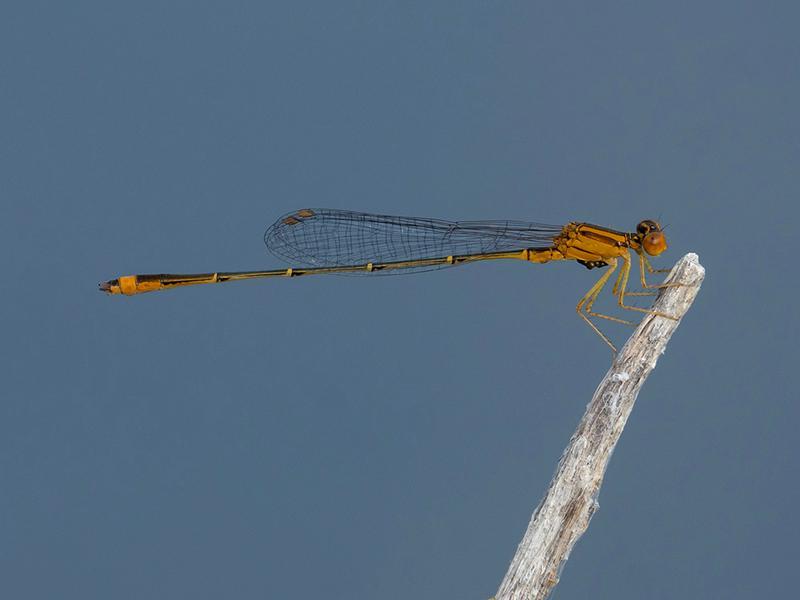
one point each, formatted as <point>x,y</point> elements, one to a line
<point>584,307</point>
<point>621,293</point>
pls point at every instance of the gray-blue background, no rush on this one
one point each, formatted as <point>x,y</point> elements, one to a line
<point>388,437</point>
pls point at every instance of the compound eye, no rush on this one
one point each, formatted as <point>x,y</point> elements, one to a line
<point>654,243</point>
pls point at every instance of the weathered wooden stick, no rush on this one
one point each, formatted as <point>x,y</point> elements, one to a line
<point>564,512</point>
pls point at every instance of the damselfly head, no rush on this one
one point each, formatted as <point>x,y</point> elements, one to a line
<point>652,237</point>
<point>646,226</point>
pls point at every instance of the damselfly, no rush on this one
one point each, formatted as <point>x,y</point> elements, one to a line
<point>321,241</point>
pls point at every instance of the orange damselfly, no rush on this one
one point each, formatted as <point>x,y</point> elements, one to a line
<point>321,241</point>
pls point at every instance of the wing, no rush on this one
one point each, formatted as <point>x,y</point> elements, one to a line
<point>322,237</point>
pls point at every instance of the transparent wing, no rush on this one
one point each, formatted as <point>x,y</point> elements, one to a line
<point>321,237</point>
